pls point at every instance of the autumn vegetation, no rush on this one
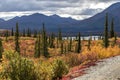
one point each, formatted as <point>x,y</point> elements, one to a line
<point>39,56</point>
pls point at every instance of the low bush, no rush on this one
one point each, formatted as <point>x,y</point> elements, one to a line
<point>44,71</point>
<point>15,67</point>
<point>19,69</point>
<point>59,69</point>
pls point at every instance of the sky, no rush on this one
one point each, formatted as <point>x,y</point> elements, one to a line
<point>77,9</point>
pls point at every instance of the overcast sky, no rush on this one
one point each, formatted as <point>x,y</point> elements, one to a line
<point>78,9</point>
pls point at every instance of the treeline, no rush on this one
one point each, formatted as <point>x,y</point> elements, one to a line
<point>44,41</point>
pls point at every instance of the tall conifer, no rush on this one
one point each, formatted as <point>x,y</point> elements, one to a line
<point>17,47</point>
<point>12,32</point>
<point>1,50</point>
<point>112,29</point>
<point>44,42</point>
<point>79,43</point>
<point>106,41</point>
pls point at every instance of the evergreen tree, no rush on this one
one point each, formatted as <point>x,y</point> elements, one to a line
<point>39,41</point>
<point>62,50</point>
<point>65,51</point>
<point>52,40</point>
<point>70,45</point>
<point>12,32</point>
<point>106,40</point>
<point>44,42</point>
<point>57,42</point>
<point>76,47</point>
<point>49,40</point>
<point>24,33</point>
<point>76,37</point>
<point>115,38</point>
<point>17,47</point>
<point>28,33</point>
<point>6,36</point>
<point>89,43</point>
<point>1,50</point>
<point>112,29</point>
<point>79,43</point>
<point>35,33</point>
<point>37,47</point>
<point>60,35</point>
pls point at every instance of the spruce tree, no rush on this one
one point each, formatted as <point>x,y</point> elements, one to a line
<point>106,40</point>
<point>17,47</point>
<point>52,40</point>
<point>37,47</point>
<point>28,32</point>
<point>35,33</point>
<point>12,32</point>
<point>65,51</point>
<point>112,29</point>
<point>70,45</point>
<point>115,38</point>
<point>49,40</point>
<point>24,34</point>
<point>76,48</point>
<point>1,50</point>
<point>39,41</point>
<point>57,42</point>
<point>6,36</point>
<point>60,35</point>
<point>79,43</point>
<point>44,42</point>
<point>89,43</point>
<point>62,50</point>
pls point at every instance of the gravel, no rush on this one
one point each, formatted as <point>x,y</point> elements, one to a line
<point>109,69</point>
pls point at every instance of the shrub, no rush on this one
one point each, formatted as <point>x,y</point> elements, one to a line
<point>19,69</point>
<point>44,71</point>
<point>59,69</point>
<point>10,55</point>
<point>52,71</point>
<point>73,59</point>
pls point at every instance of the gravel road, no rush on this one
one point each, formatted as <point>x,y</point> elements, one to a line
<point>109,69</point>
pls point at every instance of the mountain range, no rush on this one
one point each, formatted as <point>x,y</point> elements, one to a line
<point>53,22</point>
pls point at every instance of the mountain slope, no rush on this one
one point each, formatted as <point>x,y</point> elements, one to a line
<point>52,23</point>
<point>96,23</point>
<point>35,21</point>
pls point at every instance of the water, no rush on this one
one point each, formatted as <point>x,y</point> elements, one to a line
<point>84,37</point>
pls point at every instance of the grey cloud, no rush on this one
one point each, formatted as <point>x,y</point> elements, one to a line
<point>25,5</point>
<point>19,5</point>
<point>62,0</point>
<point>106,0</point>
<point>89,11</point>
<point>31,5</point>
<point>70,7</point>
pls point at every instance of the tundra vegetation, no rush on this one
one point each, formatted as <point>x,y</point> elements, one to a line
<point>38,56</point>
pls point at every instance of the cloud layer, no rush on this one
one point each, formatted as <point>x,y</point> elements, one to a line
<point>78,9</point>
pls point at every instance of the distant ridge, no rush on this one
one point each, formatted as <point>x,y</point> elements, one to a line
<point>53,22</point>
